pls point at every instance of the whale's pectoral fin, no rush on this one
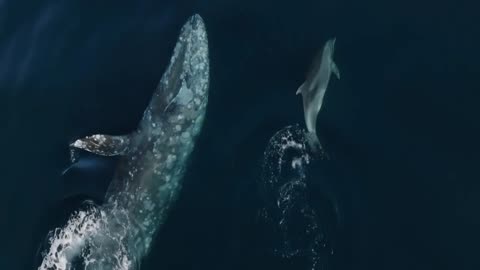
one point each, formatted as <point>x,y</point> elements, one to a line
<point>104,145</point>
<point>89,163</point>
<point>300,89</point>
<point>335,70</point>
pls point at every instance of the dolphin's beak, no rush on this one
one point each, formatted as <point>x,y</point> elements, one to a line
<point>332,45</point>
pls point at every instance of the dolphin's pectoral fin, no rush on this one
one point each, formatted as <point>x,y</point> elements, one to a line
<point>300,89</point>
<point>335,70</point>
<point>104,145</point>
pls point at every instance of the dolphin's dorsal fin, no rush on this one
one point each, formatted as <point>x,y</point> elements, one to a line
<point>335,70</point>
<point>300,89</point>
<point>104,145</point>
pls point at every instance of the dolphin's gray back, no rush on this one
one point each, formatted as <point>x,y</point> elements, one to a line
<point>314,88</point>
<point>322,68</point>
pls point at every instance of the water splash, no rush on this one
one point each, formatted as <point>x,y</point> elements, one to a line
<point>78,244</point>
<point>295,226</point>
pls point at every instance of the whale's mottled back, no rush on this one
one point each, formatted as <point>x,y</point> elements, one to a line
<point>152,162</point>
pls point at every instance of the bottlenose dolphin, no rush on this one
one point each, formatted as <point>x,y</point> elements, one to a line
<point>117,234</point>
<point>313,89</point>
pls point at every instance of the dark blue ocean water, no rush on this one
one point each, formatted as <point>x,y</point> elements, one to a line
<point>401,125</point>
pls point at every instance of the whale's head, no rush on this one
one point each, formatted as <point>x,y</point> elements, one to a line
<point>182,94</point>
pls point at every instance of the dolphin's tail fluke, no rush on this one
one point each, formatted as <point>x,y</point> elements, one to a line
<point>313,142</point>
<point>315,146</point>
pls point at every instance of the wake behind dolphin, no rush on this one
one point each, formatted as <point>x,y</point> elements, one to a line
<point>297,229</point>
<point>153,159</point>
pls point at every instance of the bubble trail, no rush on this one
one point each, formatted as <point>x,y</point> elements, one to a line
<point>295,228</point>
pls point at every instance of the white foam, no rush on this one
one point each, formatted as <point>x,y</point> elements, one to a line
<point>88,238</point>
<point>290,198</point>
<point>67,243</point>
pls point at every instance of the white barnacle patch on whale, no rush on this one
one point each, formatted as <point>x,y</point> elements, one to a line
<point>157,169</point>
<point>197,101</point>
<point>185,136</point>
<point>148,204</point>
<point>99,138</point>
<point>170,160</point>
<point>79,144</point>
<point>173,140</point>
<point>156,131</point>
<point>146,223</point>
<point>157,154</point>
<point>185,95</point>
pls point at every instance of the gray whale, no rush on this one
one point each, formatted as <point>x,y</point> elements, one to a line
<point>117,234</point>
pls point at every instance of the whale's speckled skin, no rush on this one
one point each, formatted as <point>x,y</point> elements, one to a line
<point>153,158</point>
